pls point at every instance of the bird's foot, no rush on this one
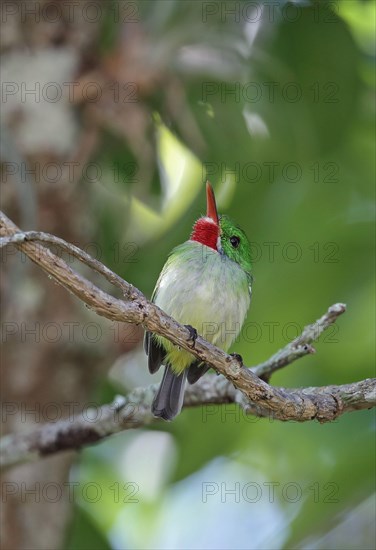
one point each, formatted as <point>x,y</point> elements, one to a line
<point>192,335</point>
<point>237,357</point>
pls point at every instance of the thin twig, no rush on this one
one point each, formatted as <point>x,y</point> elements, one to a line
<point>301,345</point>
<point>128,289</point>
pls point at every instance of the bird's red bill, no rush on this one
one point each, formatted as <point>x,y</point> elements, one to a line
<point>211,207</point>
<point>206,231</point>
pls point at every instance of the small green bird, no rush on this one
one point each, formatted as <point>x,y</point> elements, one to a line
<point>205,284</point>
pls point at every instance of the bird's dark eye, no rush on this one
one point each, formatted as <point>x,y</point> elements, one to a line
<point>235,241</point>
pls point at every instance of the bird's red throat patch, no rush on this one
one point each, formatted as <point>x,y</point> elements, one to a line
<point>206,232</point>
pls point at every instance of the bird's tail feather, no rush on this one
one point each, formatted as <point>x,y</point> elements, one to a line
<point>169,397</point>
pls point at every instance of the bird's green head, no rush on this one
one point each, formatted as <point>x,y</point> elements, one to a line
<point>234,243</point>
<point>222,235</point>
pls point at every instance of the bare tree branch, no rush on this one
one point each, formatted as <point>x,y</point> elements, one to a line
<point>133,411</point>
<point>294,350</point>
<point>254,395</point>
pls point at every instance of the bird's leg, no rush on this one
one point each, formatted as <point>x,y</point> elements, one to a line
<point>192,335</point>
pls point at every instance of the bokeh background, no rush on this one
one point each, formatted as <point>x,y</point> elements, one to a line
<point>113,116</point>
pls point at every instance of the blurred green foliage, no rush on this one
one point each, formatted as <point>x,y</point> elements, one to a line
<point>288,107</point>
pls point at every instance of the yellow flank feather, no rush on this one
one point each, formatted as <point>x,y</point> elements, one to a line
<point>178,358</point>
